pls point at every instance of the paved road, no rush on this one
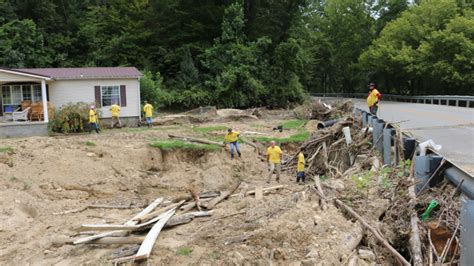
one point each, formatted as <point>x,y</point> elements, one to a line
<point>452,127</point>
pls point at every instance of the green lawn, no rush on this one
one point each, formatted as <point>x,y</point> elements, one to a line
<point>205,130</point>
<point>179,144</point>
<point>297,138</point>
<point>293,124</point>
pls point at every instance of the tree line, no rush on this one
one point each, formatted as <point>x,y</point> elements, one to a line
<point>244,53</point>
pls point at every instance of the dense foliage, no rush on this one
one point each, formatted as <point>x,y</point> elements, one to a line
<point>241,53</point>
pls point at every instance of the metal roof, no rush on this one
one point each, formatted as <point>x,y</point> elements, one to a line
<point>83,72</point>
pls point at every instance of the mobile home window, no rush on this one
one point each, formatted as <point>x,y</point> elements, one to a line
<point>110,95</point>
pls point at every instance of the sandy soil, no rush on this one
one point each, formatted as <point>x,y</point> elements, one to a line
<point>46,175</point>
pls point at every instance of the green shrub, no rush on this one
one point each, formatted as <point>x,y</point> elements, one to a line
<point>70,118</point>
<point>179,144</point>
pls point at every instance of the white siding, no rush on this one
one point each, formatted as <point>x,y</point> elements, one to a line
<point>66,91</point>
<point>7,77</point>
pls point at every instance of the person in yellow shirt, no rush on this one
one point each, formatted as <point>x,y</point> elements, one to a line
<point>115,110</point>
<point>274,155</point>
<point>148,110</point>
<point>373,99</point>
<point>93,120</point>
<point>300,168</point>
<point>232,137</point>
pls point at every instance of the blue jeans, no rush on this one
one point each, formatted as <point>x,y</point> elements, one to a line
<point>234,145</point>
<point>300,176</point>
<point>148,120</point>
<point>93,126</point>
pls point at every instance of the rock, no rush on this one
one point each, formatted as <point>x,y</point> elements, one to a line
<point>366,254</point>
<point>309,262</point>
<point>91,154</point>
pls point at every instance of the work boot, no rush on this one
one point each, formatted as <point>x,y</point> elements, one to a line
<point>240,155</point>
<point>232,156</point>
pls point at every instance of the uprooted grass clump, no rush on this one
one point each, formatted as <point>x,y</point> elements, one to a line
<point>179,144</point>
<point>90,143</point>
<point>6,149</point>
<point>297,138</point>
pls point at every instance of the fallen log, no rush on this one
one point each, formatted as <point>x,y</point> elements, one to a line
<point>264,190</point>
<point>132,221</point>
<point>211,204</point>
<point>203,195</point>
<point>375,232</point>
<point>202,141</point>
<point>186,218</point>
<point>415,243</point>
<point>191,205</point>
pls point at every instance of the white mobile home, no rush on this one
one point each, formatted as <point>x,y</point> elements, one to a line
<point>40,88</point>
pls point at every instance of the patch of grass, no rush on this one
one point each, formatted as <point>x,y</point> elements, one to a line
<point>179,144</point>
<point>90,143</point>
<point>6,149</point>
<point>294,124</point>
<point>205,130</point>
<point>297,138</point>
<point>214,255</point>
<point>362,180</point>
<point>184,251</point>
<point>13,179</point>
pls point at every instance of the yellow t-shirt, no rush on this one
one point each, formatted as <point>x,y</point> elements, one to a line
<point>92,116</point>
<point>232,136</point>
<point>300,167</point>
<point>148,109</point>
<point>274,153</point>
<point>115,109</point>
<point>373,97</point>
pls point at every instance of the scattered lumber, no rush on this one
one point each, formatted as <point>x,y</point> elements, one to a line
<point>153,215</point>
<point>203,195</point>
<point>102,227</point>
<point>132,221</point>
<point>264,190</point>
<point>196,140</point>
<point>375,232</point>
<point>150,239</point>
<point>92,207</point>
<point>211,204</point>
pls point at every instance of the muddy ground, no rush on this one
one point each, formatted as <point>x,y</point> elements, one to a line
<point>42,176</point>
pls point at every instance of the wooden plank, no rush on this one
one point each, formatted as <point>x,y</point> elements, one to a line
<point>102,227</point>
<point>150,239</point>
<point>132,221</point>
<point>258,193</point>
<point>160,211</point>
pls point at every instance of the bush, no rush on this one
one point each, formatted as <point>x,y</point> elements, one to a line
<point>70,118</point>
